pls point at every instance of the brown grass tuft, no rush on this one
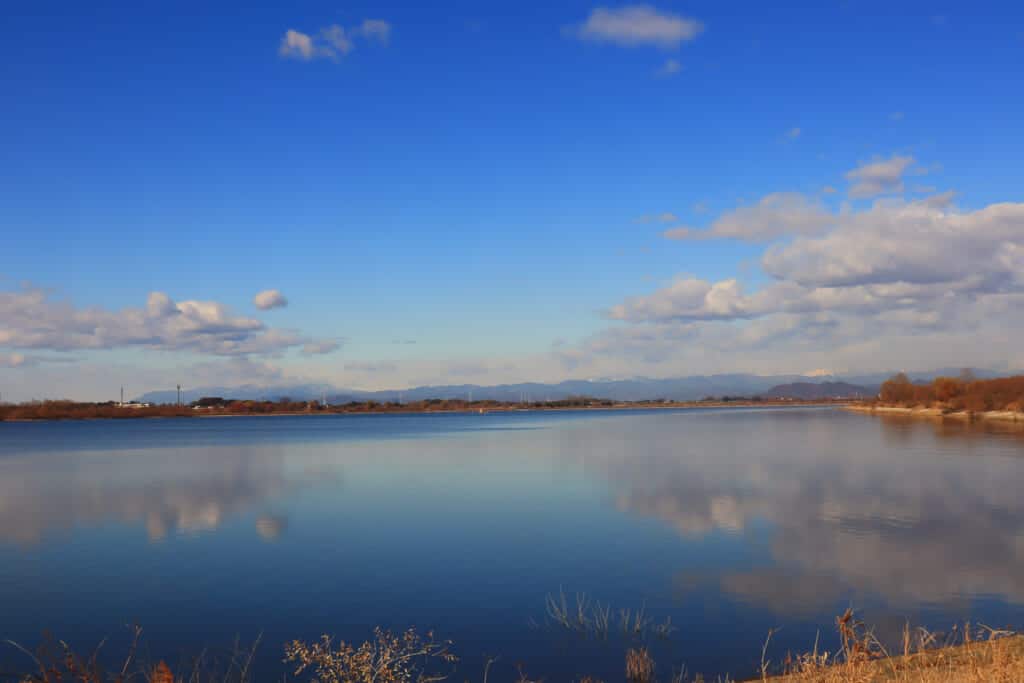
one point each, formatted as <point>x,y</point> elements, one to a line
<point>639,666</point>
<point>162,674</point>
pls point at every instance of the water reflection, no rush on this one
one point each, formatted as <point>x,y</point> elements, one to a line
<point>270,527</point>
<point>464,523</point>
<point>924,523</point>
<point>168,492</point>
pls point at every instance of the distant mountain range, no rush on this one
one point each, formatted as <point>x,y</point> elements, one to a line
<point>637,389</point>
<point>811,391</point>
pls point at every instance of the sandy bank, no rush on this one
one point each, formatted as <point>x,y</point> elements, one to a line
<point>938,413</point>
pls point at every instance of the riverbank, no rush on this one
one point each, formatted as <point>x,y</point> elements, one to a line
<point>939,413</point>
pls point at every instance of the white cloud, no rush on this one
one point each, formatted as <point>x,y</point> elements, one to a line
<point>638,25</point>
<point>922,242</point>
<point>793,133</point>
<point>332,42</point>
<point>918,282</point>
<point>268,299</point>
<point>31,319</point>
<point>685,299</point>
<point>297,45</point>
<point>882,176</point>
<point>775,215</point>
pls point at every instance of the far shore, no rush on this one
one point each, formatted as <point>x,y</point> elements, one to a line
<point>939,413</point>
<point>467,408</point>
<point>679,405</point>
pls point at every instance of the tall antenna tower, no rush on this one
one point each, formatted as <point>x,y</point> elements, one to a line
<point>179,395</point>
<point>122,395</point>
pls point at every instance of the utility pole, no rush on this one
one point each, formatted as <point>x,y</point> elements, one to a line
<point>122,396</point>
<point>179,395</point>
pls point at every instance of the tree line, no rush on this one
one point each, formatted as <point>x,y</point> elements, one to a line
<point>963,393</point>
<point>216,405</point>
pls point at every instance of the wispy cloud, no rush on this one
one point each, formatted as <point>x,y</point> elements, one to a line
<point>370,367</point>
<point>775,215</point>
<point>375,29</point>
<point>671,67</point>
<point>637,26</point>
<point>332,42</point>
<point>320,348</point>
<point>793,133</point>
<point>663,217</point>
<point>881,176</point>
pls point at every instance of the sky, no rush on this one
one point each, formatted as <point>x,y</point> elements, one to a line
<point>390,194</point>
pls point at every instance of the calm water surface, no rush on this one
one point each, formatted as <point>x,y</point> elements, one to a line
<point>728,522</point>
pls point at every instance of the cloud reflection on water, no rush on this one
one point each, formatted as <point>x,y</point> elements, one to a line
<point>914,512</point>
<point>827,505</point>
<point>168,491</point>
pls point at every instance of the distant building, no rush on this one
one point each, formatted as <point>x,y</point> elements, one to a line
<point>134,404</point>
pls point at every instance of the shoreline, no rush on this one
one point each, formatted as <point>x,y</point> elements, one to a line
<point>468,410</point>
<point>939,413</point>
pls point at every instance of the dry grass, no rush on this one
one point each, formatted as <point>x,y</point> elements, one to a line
<point>54,661</point>
<point>970,655</point>
<point>639,666</point>
<point>385,659</point>
<point>591,617</point>
<point>999,661</point>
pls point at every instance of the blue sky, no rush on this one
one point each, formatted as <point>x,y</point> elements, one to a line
<point>473,178</point>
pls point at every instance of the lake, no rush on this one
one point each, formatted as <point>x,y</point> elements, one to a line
<point>722,523</point>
